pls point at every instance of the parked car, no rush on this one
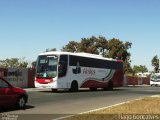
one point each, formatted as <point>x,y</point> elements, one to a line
<point>12,96</point>
<point>155,79</point>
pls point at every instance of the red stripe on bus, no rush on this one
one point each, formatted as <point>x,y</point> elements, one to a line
<point>44,80</point>
<point>94,84</point>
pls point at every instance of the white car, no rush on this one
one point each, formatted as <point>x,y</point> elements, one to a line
<point>155,79</point>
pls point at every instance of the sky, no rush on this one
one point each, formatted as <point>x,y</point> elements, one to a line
<point>29,27</point>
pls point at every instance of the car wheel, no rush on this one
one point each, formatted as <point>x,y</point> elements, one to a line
<point>21,102</point>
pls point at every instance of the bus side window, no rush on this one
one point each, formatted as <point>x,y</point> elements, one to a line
<point>62,68</point>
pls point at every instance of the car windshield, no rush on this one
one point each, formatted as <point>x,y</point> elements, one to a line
<point>3,84</point>
<point>47,66</point>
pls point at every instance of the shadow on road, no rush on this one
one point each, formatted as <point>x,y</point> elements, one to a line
<point>14,109</point>
<point>84,90</point>
<point>146,90</point>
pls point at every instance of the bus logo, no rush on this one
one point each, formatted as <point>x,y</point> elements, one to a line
<point>77,70</point>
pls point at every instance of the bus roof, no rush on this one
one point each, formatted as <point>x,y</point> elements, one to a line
<point>82,54</point>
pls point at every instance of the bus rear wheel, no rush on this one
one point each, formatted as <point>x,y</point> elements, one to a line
<point>74,86</point>
<point>93,89</point>
<point>109,86</point>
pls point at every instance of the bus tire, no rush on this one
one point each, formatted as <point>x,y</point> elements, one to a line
<point>110,86</point>
<point>93,89</point>
<point>54,90</point>
<point>74,86</point>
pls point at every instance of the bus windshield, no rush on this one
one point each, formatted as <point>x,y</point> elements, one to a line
<point>46,66</point>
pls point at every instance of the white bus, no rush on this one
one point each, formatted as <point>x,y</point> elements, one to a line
<point>64,70</point>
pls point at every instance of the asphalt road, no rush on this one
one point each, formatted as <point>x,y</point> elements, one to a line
<point>44,104</point>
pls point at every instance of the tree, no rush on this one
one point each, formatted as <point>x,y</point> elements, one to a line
<point>113,48</point>
<point>72,46</point>
<point>140,68</point>
<point>102,45</point>
<point>119,50</point>
<point>155,63</point>
<point>88,45</point>
<point>22,63</point>
<point>14,62</point>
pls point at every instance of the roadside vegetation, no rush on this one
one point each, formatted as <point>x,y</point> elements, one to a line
<point>112,48</point>
<point>145,109</point>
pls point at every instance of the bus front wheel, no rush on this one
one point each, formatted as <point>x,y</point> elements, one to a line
<point>74,86</point>
<point>54,90</point>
